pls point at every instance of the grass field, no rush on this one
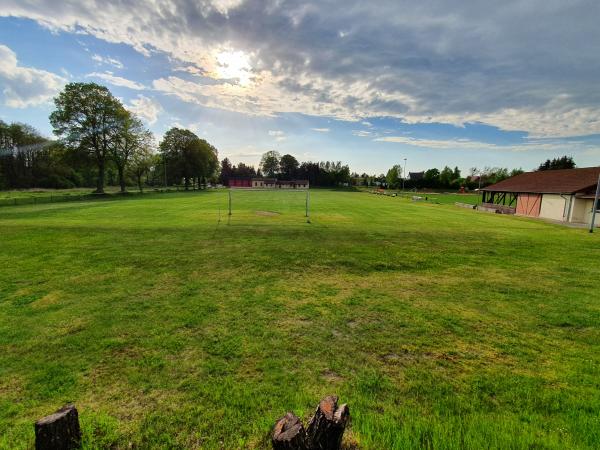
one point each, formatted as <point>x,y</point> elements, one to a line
<point>440,327</point>
<point>41,193</point>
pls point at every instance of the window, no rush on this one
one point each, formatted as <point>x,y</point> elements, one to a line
<point>598,205</point>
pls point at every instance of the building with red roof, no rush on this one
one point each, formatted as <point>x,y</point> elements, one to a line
<point>565,195</point>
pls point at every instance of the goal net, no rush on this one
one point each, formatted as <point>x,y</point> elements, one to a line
<point>288,203</point>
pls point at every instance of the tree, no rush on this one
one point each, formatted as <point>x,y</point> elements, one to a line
<point>288,166</point>
<point>86,117</point>
<point>456,173</point>
<point>269,163</point>
<point>142,160</point>
<point>432,178</point>
<point>564,162</point>
<point>188,156</point>
<point>446,177</point>
<point>130,137</point>
<point>21,150</point>
<point>394,177</point>
<point>244,170</point>
<point>226,171</point>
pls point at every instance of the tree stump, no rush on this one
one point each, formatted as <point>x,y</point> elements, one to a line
<point>326,428</point>
<point>59,431</point>
<point>289,434</point>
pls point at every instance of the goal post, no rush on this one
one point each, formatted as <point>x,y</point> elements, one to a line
<point>231,197</point>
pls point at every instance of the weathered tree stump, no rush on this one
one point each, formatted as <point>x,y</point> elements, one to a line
<point>326,428</point>
<point>324,432</point>
<point>289,434</point>
<point>59,431</point>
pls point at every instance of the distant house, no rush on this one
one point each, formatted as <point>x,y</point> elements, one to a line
<point>566,195</point>
<point>267,183</point>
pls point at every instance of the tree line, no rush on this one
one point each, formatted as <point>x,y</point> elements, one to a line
<point>98,138</point>
<point>100,142</point>
<point>449,178</point>
<point>287,167</point>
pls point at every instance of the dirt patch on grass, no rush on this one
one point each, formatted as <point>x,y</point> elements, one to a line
<point>51,298</point>
<point>267,213</point>
<point>331,376</point>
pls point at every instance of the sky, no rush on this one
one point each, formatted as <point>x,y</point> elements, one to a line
<point>370,83</point>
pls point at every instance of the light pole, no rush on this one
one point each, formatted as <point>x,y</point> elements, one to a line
<point>404,175</point>
<point>595,206</point>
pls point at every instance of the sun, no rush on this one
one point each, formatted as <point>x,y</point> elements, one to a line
<point>234,65</point>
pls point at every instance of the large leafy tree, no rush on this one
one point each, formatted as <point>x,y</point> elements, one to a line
<point>130,137</point>
<point>187,156</point>
<point>269,163</point>
<point>394,177</point>
<point>288,166</point>
<point>87,117</point>
<point>142,161</point>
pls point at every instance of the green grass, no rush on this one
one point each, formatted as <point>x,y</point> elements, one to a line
<point>41,193</point>
<point>441,327</point>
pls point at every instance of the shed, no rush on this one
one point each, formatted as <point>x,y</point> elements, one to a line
<point>565,195</point>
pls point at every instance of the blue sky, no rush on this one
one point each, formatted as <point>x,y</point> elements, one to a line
<point>435,82</point>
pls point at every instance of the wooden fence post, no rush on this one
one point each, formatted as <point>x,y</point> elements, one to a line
<point>59,431</point>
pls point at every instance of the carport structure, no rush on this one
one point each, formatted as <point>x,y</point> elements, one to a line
<point>566,195</point>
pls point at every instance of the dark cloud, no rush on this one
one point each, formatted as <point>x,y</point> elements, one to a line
<point>530,65</point>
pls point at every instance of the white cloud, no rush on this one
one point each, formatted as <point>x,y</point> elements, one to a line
<point>321,130</point>
<point>436,62</point>
<point>117,81</point>
<point>546,145</point>
<point>25,86</point>
<point>277,134</point>
<point>361,133</point>
<point>146,108</point>
<point>108,60</point>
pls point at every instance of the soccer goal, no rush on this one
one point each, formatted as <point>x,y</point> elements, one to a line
<point>269,202</point>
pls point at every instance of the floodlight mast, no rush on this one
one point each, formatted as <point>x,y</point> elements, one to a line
<point>595,206</point>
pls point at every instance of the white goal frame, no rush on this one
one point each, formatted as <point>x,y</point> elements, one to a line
<point>242,189</point>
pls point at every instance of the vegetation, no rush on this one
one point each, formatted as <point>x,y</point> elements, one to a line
<point>287,167</point>
<point>441,327</point>
<point>100,142</point>
<point>564,162</point>
<point>188,157</point>
<point>447,178</point>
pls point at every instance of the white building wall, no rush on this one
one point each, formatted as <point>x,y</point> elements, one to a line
<point>588,213</point>
<point>554,206</point>
<point>578,210</point>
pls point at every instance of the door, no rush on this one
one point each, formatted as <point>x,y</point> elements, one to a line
<point>529,204</point>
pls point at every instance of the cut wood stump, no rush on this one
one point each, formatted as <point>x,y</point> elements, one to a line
<point>289,434</point>
<point>324,432</point>
<point>326,428</point>
<point>59,431</point>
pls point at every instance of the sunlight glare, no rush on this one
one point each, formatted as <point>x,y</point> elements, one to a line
<point>234,65</point>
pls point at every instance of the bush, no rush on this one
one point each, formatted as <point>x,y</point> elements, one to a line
<point>56,182</point>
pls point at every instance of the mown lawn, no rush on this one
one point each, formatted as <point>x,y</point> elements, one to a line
<point>441,327</point>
